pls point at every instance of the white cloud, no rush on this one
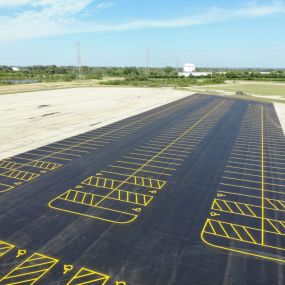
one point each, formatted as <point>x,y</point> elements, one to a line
<point>105,5</point>
<point>59,17</point>
<point>20,3</point>
<point>7,3</point>
<point>253,10</point>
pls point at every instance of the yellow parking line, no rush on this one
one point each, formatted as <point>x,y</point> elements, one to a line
<point>161,152</point>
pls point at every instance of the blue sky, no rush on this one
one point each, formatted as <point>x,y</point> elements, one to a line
<point>241,33</point>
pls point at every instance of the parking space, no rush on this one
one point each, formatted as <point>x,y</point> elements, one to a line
<point>119,193</point>
<point>248,214</point>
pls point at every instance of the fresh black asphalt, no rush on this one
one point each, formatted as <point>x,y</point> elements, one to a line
<point>163,245</point>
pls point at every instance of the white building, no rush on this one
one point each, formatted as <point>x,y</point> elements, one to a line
<point>16,68</point>
<point>189,69</point>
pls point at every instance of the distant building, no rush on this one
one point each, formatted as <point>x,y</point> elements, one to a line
<point>189,70</point>
<point>15,68</point>
<point>265,72</point>
<point>189,67</point>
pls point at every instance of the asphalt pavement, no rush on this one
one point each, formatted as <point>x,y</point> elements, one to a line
<point>189,193</point>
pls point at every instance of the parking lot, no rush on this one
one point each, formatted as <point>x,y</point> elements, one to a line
<point>188,193</point>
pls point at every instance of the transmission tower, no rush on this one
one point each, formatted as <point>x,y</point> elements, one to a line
<point>177,64</point>
<point>147,61</point>
<point>79,69</point>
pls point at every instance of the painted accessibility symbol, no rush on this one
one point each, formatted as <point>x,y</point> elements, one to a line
<point>67,268</point>
<point>21,252</point>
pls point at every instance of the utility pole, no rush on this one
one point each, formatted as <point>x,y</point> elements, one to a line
<point>177,64</point>
<point>147,61</point>
<point>79,69</point>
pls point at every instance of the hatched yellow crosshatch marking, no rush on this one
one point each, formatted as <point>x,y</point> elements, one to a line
<point>6,164</point>
<point>37,265</point>
<point>87,276</point>
<point>30,270</point>
<point>130,185</point>
<point>248,215</point>
<point>134,180</point>
<point>5,247</point>
<point>45,165</point>
<point>5,187</point>
<point>20,175</point>
<point>119,195</point>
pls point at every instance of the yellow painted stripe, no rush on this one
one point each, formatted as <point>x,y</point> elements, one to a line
<point>262,177</point>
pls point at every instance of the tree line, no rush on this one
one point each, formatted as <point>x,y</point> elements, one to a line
<point>69,73</point>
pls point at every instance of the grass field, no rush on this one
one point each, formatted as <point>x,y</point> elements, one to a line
<point>106,81</point>
<point>264,91</point>
<point>18,88</point>
<point>271,90</point>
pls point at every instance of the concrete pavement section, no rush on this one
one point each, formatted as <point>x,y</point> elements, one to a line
<point>280,110</point>
<point>30,120</point>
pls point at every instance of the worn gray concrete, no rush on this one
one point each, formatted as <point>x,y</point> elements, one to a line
<point>34,119</point>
